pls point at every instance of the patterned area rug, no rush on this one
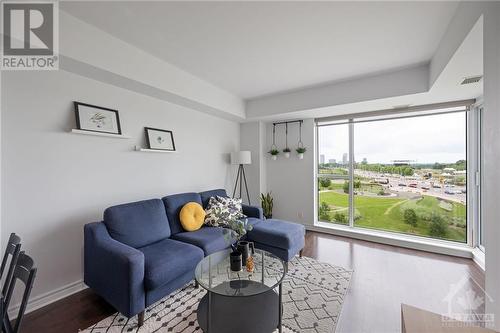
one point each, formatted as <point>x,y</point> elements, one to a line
<point>313,293</point>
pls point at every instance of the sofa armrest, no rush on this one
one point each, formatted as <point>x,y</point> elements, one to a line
<point>114,270</point>
<point>253,211</point>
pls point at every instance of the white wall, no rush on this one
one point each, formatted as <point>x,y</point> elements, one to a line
<point>53,182</point>
<point>491,139</point>
<point>291,181</point>
<point>252,138</point>
<point>80,41</point>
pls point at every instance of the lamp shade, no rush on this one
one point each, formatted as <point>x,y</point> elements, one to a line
<point>241,157</point>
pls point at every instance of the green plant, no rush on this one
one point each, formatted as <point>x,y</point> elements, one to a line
<point>438,227</point>
<point>266,201</point>
<point>324,182</point>
<point>301,150</point>
<point>381,192</point>
<point>345,187</point>
<point>274,152</point>
<point>324,211</point>
<point>235,229</point>
<point>286,150</point>
<point>340,218</point>
<point>410,217</point>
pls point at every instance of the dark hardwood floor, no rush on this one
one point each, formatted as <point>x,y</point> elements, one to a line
<point>384,277</point>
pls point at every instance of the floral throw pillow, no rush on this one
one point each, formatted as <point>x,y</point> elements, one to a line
<point>220,211</point>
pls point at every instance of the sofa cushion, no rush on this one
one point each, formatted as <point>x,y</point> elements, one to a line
<point>209,239</point>
<point>192,216</point>
<point>167,260</point>
<point>138,223</point>
<point>173,205</point>
<point>205,196</point>
<point>221,211</point>
<point>277,233</point>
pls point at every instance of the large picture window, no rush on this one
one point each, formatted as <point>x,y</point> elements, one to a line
<point>406,175</point>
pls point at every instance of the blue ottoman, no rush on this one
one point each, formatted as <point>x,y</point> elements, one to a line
<point>282,238</point>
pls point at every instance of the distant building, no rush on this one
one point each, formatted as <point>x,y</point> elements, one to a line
<point>332,161</point>
<point>345,161</point>
<point>322,159</point>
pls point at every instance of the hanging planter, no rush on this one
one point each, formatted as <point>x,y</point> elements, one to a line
<point>300,152</point>
<point>274,149</point>
<point>286,150</point>
<point>300,146</point>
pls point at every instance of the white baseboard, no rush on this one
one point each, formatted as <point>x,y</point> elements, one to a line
<point>49,297</point>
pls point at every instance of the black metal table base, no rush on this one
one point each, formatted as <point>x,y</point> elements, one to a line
<point>243,314</point>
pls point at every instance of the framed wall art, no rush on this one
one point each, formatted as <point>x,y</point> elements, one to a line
<point>160,139</point>
<point>95,118</point>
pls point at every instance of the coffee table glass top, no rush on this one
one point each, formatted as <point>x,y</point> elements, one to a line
<point>214,274</point>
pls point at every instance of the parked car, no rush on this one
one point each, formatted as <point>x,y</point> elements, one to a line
<point>413,185</point>
<point>436,186</point>
<point>425,187</point>
<point>401,184</point>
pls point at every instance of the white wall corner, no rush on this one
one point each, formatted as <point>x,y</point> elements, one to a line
<point>466,16</point>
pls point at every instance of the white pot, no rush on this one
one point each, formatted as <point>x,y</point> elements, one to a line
<point>301,156</point>
<point>274,157</point>
<point>287,155</point>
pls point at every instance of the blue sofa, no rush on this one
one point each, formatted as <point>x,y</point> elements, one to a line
<point>139,253</point>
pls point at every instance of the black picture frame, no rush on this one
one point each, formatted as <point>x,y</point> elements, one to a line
<point>79,121</point>
<point>148,141</point>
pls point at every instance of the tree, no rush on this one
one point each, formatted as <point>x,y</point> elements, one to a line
<point>324,182</point>
<point>340,218</point>
<point>345,187</point>
<point>410,217</point>
<point>324,211</point>
<point>438,227</point>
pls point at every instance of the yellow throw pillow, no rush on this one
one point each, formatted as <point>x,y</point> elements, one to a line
<point>192,216</point>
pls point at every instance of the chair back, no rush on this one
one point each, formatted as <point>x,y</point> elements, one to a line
<point>25,272</point>
<point>13,248</point>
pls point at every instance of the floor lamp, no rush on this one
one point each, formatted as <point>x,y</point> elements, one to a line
<point>241,158</point>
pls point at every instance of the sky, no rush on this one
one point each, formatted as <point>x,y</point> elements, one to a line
<point>426,139</point>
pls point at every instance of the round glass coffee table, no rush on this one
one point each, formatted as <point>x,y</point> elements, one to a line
<point>243,302</point>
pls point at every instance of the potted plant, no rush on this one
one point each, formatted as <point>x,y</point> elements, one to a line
<point>266,202</point>
<point>287,152</point>
<point>274,153</point>
<point>300,151</point>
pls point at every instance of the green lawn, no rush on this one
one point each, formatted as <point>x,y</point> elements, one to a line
<point>386,213</point>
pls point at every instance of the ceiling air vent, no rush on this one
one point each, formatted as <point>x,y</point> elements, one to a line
<point>471,79</point>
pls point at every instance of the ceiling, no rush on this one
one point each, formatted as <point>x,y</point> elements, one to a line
<point>257,48</point>
<point>467,61</point>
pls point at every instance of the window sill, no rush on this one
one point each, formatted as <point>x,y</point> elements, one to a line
<point>479,258</point>
<point>406,241</point>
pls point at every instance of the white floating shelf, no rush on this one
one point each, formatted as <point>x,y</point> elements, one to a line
<point>108,135</point>
<point>154,150</point>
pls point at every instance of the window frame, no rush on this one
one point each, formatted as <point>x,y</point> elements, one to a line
<point>473,206</point>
